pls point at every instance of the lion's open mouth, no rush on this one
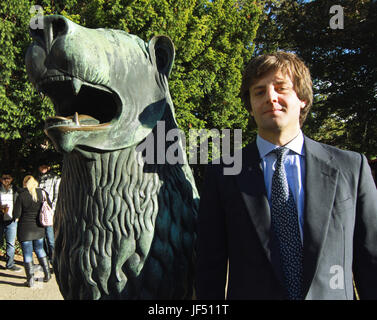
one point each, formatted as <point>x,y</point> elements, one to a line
<point>79,106</point>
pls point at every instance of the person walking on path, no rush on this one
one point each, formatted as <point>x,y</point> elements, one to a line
<point>8,224</point>
<point>49,181</point>
<point>30,233</point>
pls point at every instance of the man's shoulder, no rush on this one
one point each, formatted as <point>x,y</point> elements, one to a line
<point>336,154</point>
<point>12,189</point>
<point>249,150</point>
<point>22,192</point>
<point>54,175</point>
<point>16,190</point>
<point>49,176</point>
<point>232,165</point>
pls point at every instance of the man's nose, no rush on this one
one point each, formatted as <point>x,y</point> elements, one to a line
<point>271,95</point>
<point>51,29</point>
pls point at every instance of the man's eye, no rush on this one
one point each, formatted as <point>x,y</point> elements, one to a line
<point>258,93</point>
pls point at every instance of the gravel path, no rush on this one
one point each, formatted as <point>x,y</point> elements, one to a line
<point>12,284</point>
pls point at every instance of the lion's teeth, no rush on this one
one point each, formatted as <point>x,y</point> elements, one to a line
<point>76,85</point>
<point>76,119</point>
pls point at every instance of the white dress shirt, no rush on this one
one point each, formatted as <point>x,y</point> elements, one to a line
<point>294,165</point>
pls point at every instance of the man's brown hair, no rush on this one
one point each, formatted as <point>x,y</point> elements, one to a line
<point>287,63</point>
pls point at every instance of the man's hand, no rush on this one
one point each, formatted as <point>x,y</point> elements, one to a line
<point>4,209</point>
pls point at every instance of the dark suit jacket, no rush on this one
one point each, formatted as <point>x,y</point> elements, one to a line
<point>340,229</point>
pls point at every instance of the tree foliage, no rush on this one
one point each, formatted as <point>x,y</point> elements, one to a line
<point>22,111</point>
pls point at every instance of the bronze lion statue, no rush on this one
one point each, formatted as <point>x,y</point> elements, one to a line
<point>124,227</point>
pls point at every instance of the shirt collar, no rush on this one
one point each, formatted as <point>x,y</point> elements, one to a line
<point>2,188</point>
<point>296,145</point>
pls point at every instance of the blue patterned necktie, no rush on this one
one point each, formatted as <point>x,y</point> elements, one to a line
<point>284,222</point>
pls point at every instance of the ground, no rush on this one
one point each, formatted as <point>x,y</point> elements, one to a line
<point>12,284</point>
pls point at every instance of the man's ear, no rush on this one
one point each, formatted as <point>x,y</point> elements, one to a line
<point>162,52</point>
<point>251,108</point>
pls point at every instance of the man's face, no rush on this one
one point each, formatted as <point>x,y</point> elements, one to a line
<point>6,180</point>
<point>43,168</point>
<point>275,105</point>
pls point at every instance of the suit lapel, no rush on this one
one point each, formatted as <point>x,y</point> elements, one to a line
<point>253,190</point>
<point>252,187</point>
<point>320,187</point>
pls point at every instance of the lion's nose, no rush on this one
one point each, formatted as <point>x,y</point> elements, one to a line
<point>50,29</point>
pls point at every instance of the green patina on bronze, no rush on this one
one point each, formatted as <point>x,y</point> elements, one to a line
<point>125,229</point>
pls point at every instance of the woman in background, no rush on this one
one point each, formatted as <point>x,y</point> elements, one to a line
<point>30,233</point>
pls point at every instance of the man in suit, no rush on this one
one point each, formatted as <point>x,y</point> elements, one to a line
<point>323,233</point>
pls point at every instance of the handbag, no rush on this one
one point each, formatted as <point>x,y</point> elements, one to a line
<point>46,214</point>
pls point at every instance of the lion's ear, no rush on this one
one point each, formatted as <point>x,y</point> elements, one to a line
<point>162,52</point>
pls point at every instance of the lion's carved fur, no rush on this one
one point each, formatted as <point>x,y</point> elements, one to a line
<point>134,228</point>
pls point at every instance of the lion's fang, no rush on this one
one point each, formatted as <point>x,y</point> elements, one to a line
<point>76,85</point>
<point>76,119</point>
